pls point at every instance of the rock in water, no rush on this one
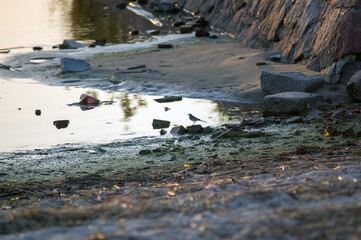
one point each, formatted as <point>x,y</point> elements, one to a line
<point>59,124</point>
<point>289,81</point>
<point>71,44</point>
<point>158,124</point>
<point>195,129</point>
<point>178,130</point>
<point>354,86</point>
<point>289,102</point>
<point>167,99</point>
<point>68,65</point>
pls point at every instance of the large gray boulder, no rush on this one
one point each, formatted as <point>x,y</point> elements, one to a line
<point>289,102</point>
<point>354,86</point>
<point>68,65</point>
<point>289,81</point>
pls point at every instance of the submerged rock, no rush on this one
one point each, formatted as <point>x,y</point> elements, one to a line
<point>289,102</point>
<point>289,81</point>
<point>68,65</point>
<point>158,124</point>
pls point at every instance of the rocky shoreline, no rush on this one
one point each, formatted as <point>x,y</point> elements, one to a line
<point>292,173</point>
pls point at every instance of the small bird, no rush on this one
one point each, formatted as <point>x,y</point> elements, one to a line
<point>194,119</point>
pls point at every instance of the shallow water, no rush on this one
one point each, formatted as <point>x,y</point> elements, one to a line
<point>129,116</point>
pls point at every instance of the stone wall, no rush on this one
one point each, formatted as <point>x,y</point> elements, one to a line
<point>313,32</point>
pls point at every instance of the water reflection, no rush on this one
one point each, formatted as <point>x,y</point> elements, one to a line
<point>129,105</point>
<point>46,22</point>
<point>95,19</point>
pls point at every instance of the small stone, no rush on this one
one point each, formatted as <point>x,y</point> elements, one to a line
<point>255,121</point>
<point>59,124</point>
<point>195,129</point>
<point>162,132</point>
<point>101,42</point>
<point>207,129</point>
<point>165,45</point>
<point>178,130</point>
<point>134,33</point>
<point>144,152</point>
<point>158,124</point>
<point>37,112</point>
<point>201,33</point>
<point>167,99</point>
<point>70,44</point>
<point>37,48</point>
<point>178,23</point>
<point>73,65</point>
<point>92,45</point>
<point>185,29</point>
<point>261,63</point>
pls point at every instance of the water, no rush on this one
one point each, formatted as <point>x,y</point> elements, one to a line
<point>49,22</point>
<point>25,23</point>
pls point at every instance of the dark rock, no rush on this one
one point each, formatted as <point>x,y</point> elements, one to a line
<point>295,119</point>
<point>92,45</point>
<point>165,45</point>
<point>178,130</point>
<point>154,32</point>
<point>70,44</point>
<point>134,33</point>
<point>145,152</point>
<point>37,48</point>
<point>6,67</point>
<point>59,124</point>
<point>167,6</point>
<point>55,46</point>
<point>142,2</point>
<point>158,124</point>
<point>136,67</point>
<point>167,99</point>
<point>207,129</point>
<point>37,112</point>
<point>101,42</point>
<point>354,86</point>
<point>178,23</point>
<point>185,29</point>
<point>289,81</point>
<point>4,51</point>
<point>195,129</point>
<point>331,131</point>
<point>349,33</point>
<point>201,21</point>
<point>201,33</point>
<point>261,63</point>
<point>162,132</point>
<point>68,65</point>
<point>348,71</point>
<point>289,102</point>
<point>122,5</point>
<point>349,133</point>
<point>86,99</point>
